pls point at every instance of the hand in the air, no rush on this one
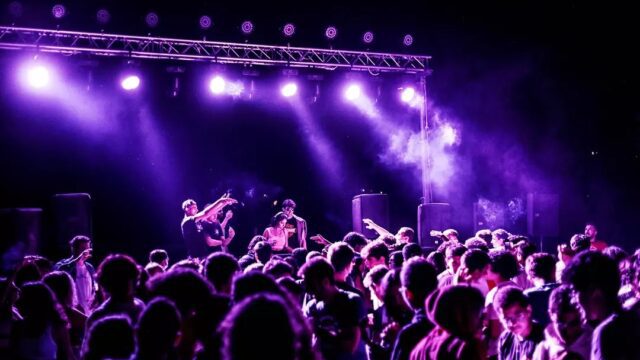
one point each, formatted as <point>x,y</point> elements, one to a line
<point>228,215</point>
<point>320,239</point>
<point>232,233</point>
<point>368,223</point>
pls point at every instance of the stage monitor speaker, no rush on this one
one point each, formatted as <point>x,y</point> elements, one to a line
<point>20,231</point>
<point>543,215</point>
<point>71,217</point>
<point>434,216</point>
<point>370,206</point>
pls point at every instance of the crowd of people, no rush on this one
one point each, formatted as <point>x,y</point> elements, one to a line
<point>493,296</point>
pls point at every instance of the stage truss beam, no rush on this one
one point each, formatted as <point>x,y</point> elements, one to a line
<point>101,44</point>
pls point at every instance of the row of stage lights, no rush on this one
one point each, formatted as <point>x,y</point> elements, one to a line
<point>103,17</point>
<point>39,77</point>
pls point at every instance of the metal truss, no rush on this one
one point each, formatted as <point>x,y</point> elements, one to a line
<point>73,42</point>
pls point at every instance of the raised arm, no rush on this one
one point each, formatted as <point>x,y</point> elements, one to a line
<point>375,227</point>
<point>227,216</point>
<point>215,207</point>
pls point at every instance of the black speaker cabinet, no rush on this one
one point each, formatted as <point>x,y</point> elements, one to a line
<point>543,215</point>
<point>370,206</point>
<point>434,216</point>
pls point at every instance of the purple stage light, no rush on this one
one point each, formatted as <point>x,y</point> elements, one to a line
<point>289,89</point>
<point>205,22</point>
<point>217,85</point>
<point>449,135</point>
<point>38,77</point>
<point>352,92</point>
<point>15,9</point>
<point>408,40</point>
<point>247,27</point>
<point>103,16</point>
<point>367,37</point>
<point>130,82</point>
<point>289,29</point>
<point>58,11</point>
<point>331,32</point>
<point>408,94</point>
<point>152,19</point>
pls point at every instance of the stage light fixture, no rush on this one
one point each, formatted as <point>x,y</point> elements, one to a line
<point>152,19</point>
<point>38,77</point>
<point>408,94</point>
<point>289,89</point>
<point>407,40</point>
<point>331,32</point>
<point>205,22</point>
<point>103,16</point>
<point>130,82</point>
<point>352,92</point>
<point>58,11</point>
<point>247,27</point>
<point>367,37</point>
<point>289,29</point>
<point>217,85</point>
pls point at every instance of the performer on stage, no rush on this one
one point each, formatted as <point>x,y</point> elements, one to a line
<point>592,233</point>
<point>227,230</point>
<point>197,241</point>
<point>217,231</point>
<point>296,226</point>
<point>276,234</point>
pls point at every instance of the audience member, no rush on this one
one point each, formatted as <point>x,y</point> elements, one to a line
<point>456,312</point>
<point>419,279</point>
<point>522,334</point>
<point>336,315</point>
<point>541,270</point>
<point>566,337</point>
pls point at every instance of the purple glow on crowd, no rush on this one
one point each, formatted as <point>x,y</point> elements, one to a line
<point>289,89</point>
<point>217,85</point>
<point>130,82</point>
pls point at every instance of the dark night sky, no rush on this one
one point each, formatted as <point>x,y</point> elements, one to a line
<point>538,87</point>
